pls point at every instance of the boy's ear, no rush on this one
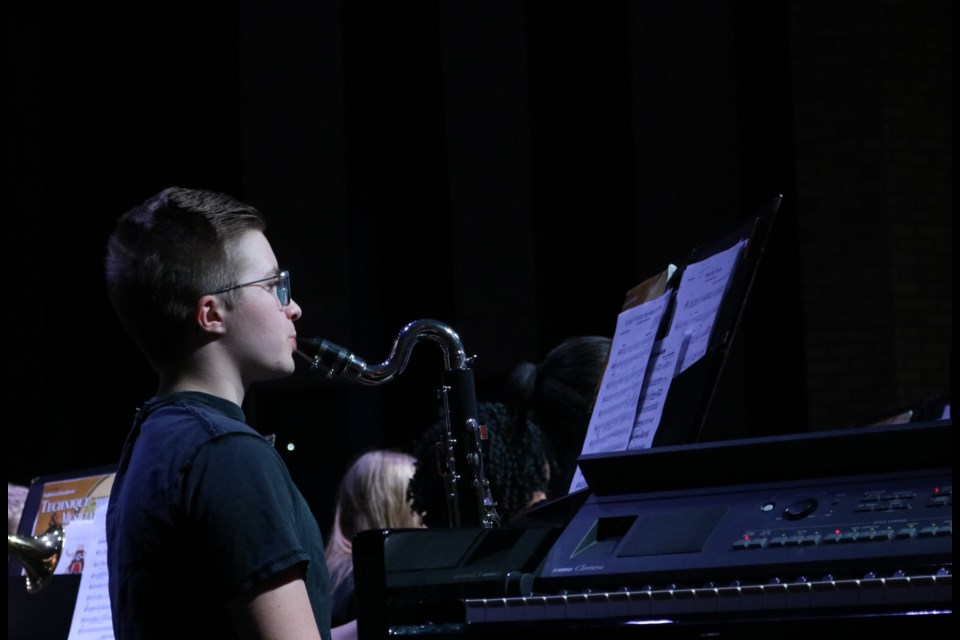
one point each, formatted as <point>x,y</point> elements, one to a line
<point>209,314</point>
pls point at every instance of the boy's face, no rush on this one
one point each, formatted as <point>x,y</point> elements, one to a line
<point>260,332</point>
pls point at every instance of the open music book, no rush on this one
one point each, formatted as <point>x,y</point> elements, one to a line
<point>674,331</point>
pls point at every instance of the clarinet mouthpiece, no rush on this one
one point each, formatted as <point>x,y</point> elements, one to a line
<point>330,359</point>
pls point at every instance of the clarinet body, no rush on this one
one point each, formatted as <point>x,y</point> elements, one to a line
<point>469,499</point>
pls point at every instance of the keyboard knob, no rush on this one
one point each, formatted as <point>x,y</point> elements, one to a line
<point>799,509</point>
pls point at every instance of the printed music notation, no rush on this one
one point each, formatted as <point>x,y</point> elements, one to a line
<point>616,403</point>
<point>653,392</point>
<point>698,300</point>
<point>91,614</point>
<point>635,385</point>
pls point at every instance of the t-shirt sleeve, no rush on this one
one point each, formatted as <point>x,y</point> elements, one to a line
<point>241,503</point>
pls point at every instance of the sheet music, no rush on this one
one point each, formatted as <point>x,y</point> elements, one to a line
<point>637,381</point>
<point>612,420</point>
<point>698,299</point>
<point>91,614</point>
<point>656,386</point>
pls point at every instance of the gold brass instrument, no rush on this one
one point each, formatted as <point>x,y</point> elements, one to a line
<point>39,555</point>
<point>469,498</point>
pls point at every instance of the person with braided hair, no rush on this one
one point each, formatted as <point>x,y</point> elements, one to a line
<point>517,464</point>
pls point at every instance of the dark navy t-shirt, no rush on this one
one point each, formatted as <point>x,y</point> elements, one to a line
<point>203,509</point>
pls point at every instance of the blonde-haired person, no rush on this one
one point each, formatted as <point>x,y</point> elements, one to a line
<point>372,495</point>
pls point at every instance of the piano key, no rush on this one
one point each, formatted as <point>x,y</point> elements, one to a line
<point>685,602</point>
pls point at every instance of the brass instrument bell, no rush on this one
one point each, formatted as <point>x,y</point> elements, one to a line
<point>39,555</point>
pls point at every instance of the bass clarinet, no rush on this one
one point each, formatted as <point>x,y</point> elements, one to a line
<point>469,499</point>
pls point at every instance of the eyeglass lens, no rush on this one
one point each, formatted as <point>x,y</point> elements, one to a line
<point>283,288</point>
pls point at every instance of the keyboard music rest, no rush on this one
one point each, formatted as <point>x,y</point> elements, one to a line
<point>820,454</point>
